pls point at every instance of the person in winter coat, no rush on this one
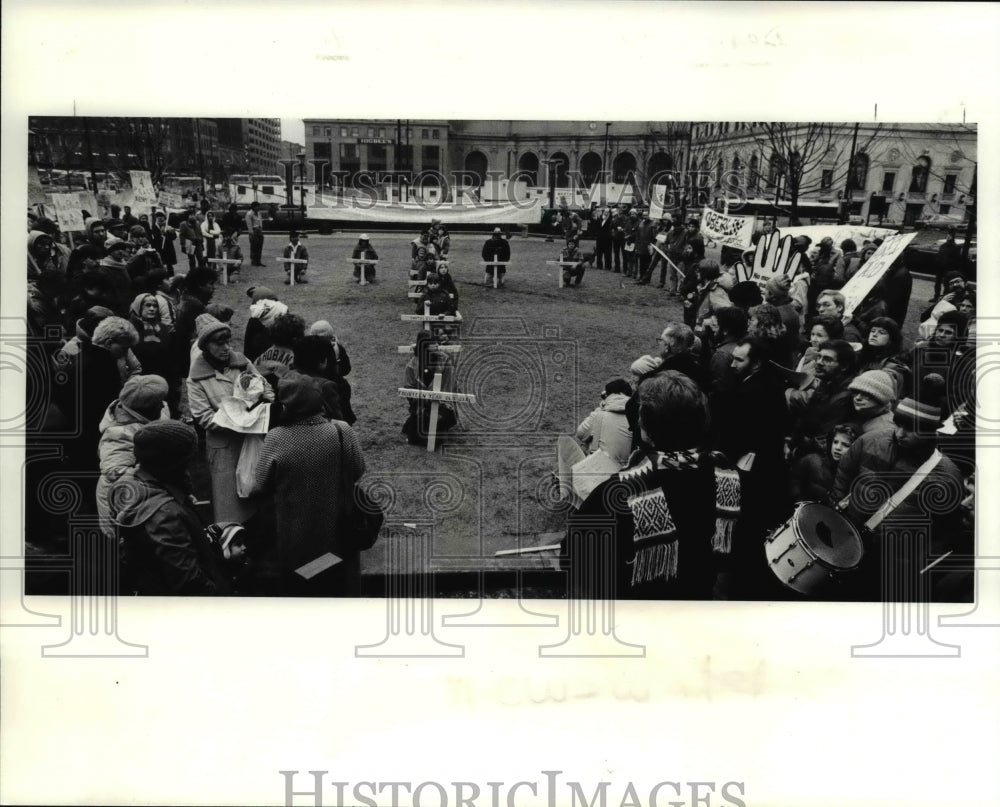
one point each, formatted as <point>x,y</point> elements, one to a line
<point>265,308</point>
<point>286,330</point>
<point>776,293</point>
<point>419,374</point>
<point>811,476</point>
<point>314,358</point>
<point>304,467</point>
<point>154,348</point>
<point>166,549</point>
<point>92,249</point>
<point>830,403</point>
<point>448,283</point>
<point>873,395</point>
<point>212,377</point>
<point>668,512</point>
<point>365,251</point>
<point>605,431</point>
<point>115,268</point>
<point>883,350</point>
<point>162,238</point>
<point>141,401</point>
<point>211,235</point>
<point>496,248</point>
<point>192,241</point>
<point>707,297</point>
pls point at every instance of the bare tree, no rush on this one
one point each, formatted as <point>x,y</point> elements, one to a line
<point>143,144</point>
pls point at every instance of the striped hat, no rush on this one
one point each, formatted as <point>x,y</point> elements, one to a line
<point>917,416</point>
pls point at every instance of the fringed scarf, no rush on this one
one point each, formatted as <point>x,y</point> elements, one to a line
<point>655,533</point>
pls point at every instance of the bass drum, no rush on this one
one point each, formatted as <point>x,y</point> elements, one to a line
<point>809,551</point>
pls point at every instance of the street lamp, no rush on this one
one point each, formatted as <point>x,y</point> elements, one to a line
<point>302,179</point>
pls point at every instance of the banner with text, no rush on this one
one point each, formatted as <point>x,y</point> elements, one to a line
<point>727,231</point>
<point>864,281</point>
<point>69,216</point>
<point>143,192</point>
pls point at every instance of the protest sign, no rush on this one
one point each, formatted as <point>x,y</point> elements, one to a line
<point>68,213</point>
<point>171,199</point>
<point>143,193</point>
<point>725,230</point>
<point>867,276</point>
<point>656,202</point>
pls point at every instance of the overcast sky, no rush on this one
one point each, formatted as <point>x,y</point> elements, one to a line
<point>293,130</point>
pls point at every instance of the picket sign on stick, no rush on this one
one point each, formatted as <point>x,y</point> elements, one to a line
<point>670,262</point>
<point>436,397</point>
<point>495,265</point>
<point>864,280</point>
<point>365,262</point>
<point>291,272</point>
<point>439,348</point>
<point>427,319</point>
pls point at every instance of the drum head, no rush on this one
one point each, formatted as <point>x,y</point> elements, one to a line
<point>829,536</point>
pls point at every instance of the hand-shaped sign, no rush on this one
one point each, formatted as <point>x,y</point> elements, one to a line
<point>770,259</point>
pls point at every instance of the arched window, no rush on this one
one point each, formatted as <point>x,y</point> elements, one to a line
<point>661,169</point>
<point>752,177</point>
<point>590,166</point>
<point>527,166</point>
<point>720,169</point>
<point>476,163</point>
<point>559,169</point>
<point>734,175</point>
<point>623,165</point>
<point>775,169</point>
<point>919,174</point>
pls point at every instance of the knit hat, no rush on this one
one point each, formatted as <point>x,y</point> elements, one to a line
<point>920,417</point>
<point>143,392</point>
<point>223,533</point>
<point>207,328</point>
<point>113,244</point>
<point>952,275</point>
<point>136,231</point>
<point>645,364</point>
<point>321,328</point>
<point>299,396</point>
<point>778,286</point>
<point>258,293</point>
<point>165,446</point>
<point>876,383</point>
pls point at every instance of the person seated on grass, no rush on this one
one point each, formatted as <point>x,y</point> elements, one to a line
<point>231,250</point>
<point>365,251</point>
<point>297,250</point>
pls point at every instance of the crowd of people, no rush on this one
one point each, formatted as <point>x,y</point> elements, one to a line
<point>753,401</point>
<point>756,402</point>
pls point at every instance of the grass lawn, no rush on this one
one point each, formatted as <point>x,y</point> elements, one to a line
<point>536,357</point>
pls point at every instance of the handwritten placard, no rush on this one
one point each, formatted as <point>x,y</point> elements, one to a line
<point>867,276</point>
<point>68,213</point>
<point>727,231</point>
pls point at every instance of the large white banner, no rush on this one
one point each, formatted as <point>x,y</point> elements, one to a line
<point>524,213</point>
<point>68,213</point>
<point>143,192</point>
<point>725,230</point>
<point>867,276</point>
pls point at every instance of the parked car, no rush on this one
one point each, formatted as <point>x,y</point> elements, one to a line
<point>923,257</point>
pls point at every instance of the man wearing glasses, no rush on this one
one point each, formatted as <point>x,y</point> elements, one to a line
<point>831,402</point>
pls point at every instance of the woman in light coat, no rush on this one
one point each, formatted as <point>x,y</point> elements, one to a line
<point>212,378</point>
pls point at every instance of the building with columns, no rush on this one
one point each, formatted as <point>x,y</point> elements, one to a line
<point>542,154</point>
<point>896,172</point>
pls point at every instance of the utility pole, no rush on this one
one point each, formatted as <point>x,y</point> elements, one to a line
<point>850,170</point>
<point>90,152</point>
<point>604,166</point>
<point>970,224</point>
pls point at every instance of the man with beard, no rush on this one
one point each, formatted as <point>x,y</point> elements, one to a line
<point>93,249</point>
<point>751,424</point>
<point>879,464</point>
<point>831,402</point>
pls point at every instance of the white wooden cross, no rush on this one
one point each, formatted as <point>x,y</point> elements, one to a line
<point>439,348</point>
<point>427,319</point>
<point>225,263</point>
<point>291,272</point>
<point>494,265</point>
<point>436,397</point>
<point>365,262</point>
<point>561,265</point>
